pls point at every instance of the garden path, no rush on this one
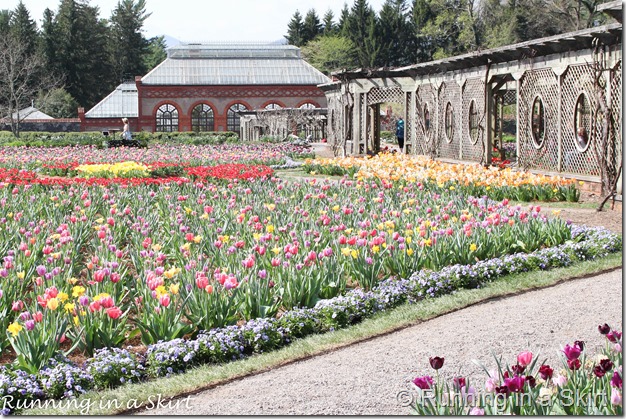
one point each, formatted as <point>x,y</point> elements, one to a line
<point>370,377</point>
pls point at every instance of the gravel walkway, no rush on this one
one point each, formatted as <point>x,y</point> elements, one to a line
<point>369,378</point>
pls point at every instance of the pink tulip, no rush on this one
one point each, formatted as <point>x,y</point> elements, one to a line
<point>525,358</point>
<point>571,352</point>
<point>616,397</point>
<point>38,316</point>
<point>477,411</point>
<point>165,300</point>
<point>114,312</point>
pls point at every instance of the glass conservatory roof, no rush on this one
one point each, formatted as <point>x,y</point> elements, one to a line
<point>122,102</point>
<point>234,64</point>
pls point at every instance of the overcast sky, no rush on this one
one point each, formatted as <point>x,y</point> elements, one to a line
<point>210,20</point>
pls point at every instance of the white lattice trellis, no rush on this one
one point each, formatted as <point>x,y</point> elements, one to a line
<point>473,90</point>
<point>616,133</point>
<point>543,84</point>
<point>425,96</point>
<point>578,80</point>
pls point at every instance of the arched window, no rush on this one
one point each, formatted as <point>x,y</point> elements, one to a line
<point>202,118</point>
<point>308,106</point>
<point>167,118</point>
<point>538,122</point>
<point>473,122</point>
<point>233,119</point>
<point>449,121</point>
<point>582,122</point>
<point>271,106</point>
<point>426,120</point>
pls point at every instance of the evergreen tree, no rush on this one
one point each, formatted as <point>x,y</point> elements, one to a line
<point>396,35</point>
<point>342,25</point>
<point>5,18</point>
<point>127,44</point>
<point>295,30</point>
<point>311,27</point>
<point>362,29</point>
<point>156,52</point>
<point>328,25</point>
<point>81,52</point>
<point>24,28</point>
<point>48,43</point>
<point>420,16</point>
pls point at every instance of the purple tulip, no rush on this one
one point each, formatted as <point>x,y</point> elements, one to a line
<point>41,270</point>
<point>616,381</point>
<point>424,382</point>
<point>515,384</point>
<point>29,324</point>
<point>571,352</point>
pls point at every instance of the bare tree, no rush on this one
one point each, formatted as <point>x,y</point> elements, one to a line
<point>22,78</point>
<point>605,150</point>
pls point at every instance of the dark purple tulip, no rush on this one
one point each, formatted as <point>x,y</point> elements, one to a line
<point>518,369</point>
<point>573,364</point>
<point>502,389</point>
<point>580,344</point>
<point>436,362</point>
<point>607,364</point>
<point>616,381</point>
<point>545,372</point>
<point>614,336</point>
<point>531,381</point>
<point>515,384</point>
<point>424,382</point>
<point>572,352</point>
<point>599,371</point>
<point>604,329</point>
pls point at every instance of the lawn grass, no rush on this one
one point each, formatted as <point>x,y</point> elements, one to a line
<point>125,398</point>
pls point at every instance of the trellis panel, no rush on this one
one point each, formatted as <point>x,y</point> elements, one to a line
<point>449,92</point>
<point>424,141</point>
<point>616,94</point>
<point>474,89</point>
<point>577,80</point>
<point>543,83</point>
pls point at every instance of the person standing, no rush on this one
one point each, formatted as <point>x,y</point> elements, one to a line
<point>126,135</point>
<point>400,133</point>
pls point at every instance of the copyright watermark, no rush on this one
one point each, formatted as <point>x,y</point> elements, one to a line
<point>566,398</point>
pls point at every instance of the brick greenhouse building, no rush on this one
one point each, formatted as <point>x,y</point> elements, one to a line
<point>201,86</point>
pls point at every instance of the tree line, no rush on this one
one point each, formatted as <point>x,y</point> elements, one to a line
<point>75,57</point>
<point>406,32</point>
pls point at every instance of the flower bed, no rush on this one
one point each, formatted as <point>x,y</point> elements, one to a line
<point>110,368</point>
<point>168,260</point>
<point>472,179</point>
<point>181,155</point>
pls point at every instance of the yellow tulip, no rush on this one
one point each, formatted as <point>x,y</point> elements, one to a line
<point>14,328</point>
